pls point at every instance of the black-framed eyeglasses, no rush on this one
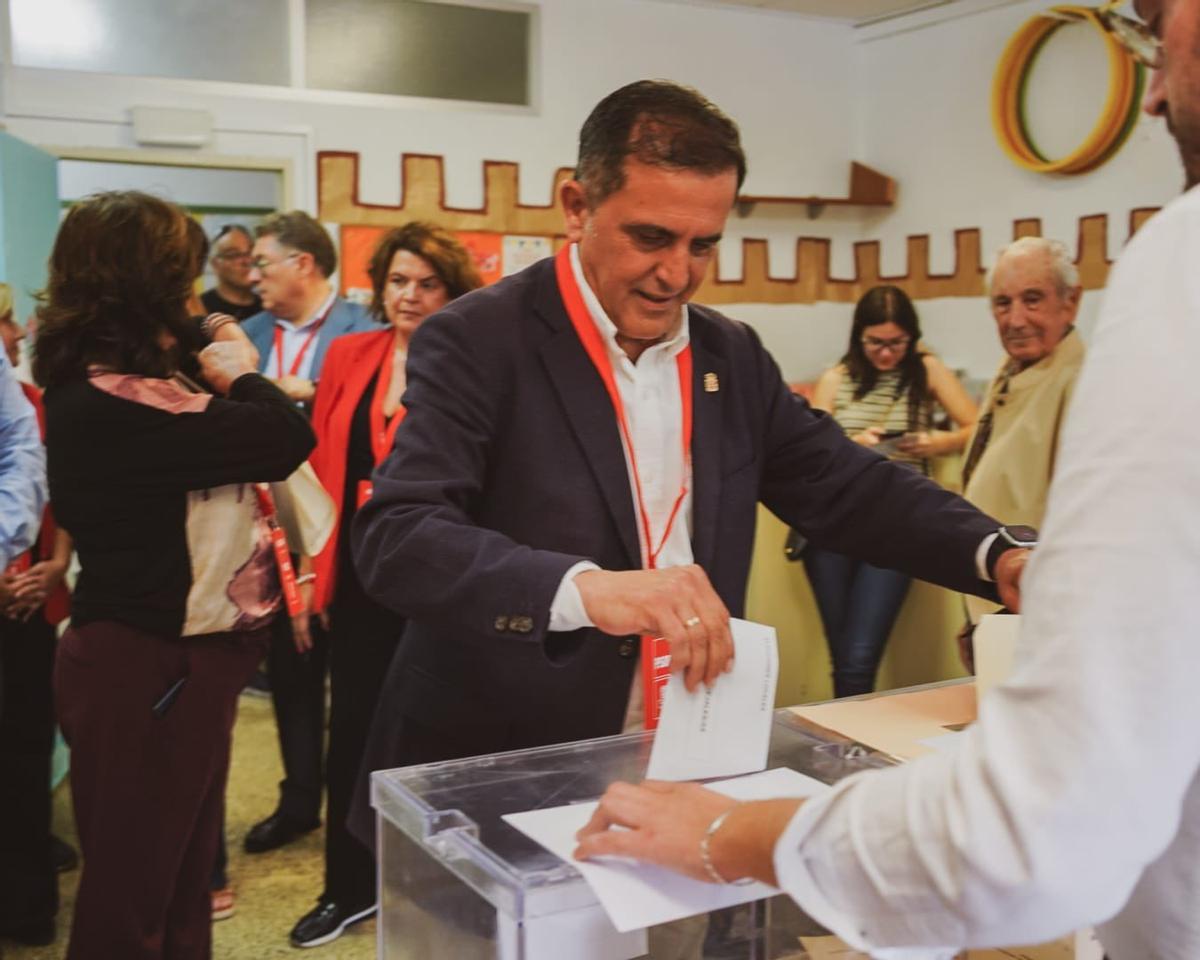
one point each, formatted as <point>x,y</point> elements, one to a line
<point>895,344</point>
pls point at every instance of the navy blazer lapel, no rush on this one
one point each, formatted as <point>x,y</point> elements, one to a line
<point>709,387</point>
<point>589,412</point>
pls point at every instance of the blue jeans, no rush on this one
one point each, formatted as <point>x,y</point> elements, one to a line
<point>858,604</point>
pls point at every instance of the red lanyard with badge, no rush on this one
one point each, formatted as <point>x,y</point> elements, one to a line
<point>283,556</point>
<point>656,652</point>
<point>312,335</point>
<point>383,430</point>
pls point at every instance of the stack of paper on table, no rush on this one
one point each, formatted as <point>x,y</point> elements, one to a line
<point>898,723</point>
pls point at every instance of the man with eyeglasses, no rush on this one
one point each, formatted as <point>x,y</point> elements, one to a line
<point>1034,292</point>
<point>1075,800</point>
<point>290,266</point>
<point>234,293</point>
<point>292,261</point>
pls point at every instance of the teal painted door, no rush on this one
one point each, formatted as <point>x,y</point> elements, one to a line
<point>29,214</point>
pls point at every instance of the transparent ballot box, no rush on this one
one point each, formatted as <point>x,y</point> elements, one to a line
<point>457,882</point>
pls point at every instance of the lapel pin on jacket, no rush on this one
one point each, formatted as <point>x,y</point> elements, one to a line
<point>711,383</point>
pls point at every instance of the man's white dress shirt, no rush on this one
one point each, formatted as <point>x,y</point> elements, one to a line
<point>650,395</point>
<point>1075,799</point>
<point>294,338</point>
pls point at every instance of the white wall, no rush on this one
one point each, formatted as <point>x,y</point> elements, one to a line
<point>922,93</point>
<point>909,97</point>
<point>586,49</point>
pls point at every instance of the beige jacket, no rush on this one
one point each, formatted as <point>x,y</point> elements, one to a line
<point>1013,475</point>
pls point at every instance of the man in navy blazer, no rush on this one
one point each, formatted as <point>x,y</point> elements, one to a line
<point>293,259</point>
<point>507,524</point>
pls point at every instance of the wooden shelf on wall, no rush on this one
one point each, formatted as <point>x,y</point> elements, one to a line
<point>868,188</point>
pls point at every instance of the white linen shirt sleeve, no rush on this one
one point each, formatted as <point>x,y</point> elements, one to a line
<point>1073,781</point>
<point>22,468</point>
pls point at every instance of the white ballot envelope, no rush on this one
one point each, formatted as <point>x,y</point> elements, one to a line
<point>723,730</point>
<point>638,895</point>
<point>995,644</point>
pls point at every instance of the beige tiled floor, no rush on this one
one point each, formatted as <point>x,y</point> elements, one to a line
<point>273,889</point>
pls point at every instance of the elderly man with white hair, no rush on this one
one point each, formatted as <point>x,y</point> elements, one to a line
<point>1034,294</point>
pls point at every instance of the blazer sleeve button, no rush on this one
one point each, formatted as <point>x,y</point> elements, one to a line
<point>500,625</point>
<point>521,625</point>
<point>626,648</point>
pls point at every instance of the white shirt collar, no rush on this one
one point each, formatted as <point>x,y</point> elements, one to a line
<point>608,330</point>
<point>321,311</point>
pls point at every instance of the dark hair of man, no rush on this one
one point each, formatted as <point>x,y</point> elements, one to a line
<point>233,228</point>
<point>888,304</point>
<point>121,271</point>
<point>297,230</point>
<point>451,261</point>
<point>658,123</point>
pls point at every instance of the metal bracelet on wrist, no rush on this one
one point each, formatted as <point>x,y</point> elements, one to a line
<point>706,853</point>
<point>214,322</point>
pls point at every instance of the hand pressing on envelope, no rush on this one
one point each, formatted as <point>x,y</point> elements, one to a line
<point>676,603</point>
<point>668,823</point>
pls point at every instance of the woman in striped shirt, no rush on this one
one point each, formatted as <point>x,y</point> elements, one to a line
<point>883,394</point>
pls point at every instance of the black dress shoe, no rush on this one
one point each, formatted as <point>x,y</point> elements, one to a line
<point>276,831</point>
<point>326,921</point>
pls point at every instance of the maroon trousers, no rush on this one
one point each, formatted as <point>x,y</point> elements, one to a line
<point>147,788</point>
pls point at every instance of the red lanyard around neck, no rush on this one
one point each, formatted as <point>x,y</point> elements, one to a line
<point>383,431</point>
<point>597,351</point>
<point>312,335</point>
<point>655,652</point>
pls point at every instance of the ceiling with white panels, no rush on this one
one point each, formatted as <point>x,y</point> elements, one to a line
<point>847,11</point>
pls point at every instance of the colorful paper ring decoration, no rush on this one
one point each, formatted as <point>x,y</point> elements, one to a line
<point>1126,79</point>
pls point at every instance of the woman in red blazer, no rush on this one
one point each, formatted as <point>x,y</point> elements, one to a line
<point>416,270</point>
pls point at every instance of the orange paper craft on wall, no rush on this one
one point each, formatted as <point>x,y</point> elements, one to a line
<point>487,252</point>
<point>358,243</point>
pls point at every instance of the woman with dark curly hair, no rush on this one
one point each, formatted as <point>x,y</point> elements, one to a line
<point>415,270</point>
<point>157,485</point>
<point>882,393</point>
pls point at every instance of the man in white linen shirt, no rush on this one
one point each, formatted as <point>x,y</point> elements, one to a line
<point>1075,799</point>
